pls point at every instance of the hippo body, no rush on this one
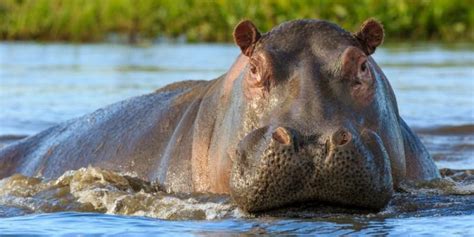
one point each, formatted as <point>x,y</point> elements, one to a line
<point>303,115</point>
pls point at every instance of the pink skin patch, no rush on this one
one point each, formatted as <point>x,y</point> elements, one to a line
<point>356,70</point>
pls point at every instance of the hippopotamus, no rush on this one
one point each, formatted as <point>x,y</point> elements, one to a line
<point>304,115</point>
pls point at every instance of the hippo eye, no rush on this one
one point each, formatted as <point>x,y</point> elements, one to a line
<point>363,66</point>
<point>253,69</point>
<point>259,72</point>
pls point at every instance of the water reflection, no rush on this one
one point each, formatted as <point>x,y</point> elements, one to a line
<point>43,84</point>
<point>101,191</point>
<point>77,79</point>
<point>67,223</point>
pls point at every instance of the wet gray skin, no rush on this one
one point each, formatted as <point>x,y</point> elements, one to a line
<point>303,115</point>
<point>332,129</point>
<point>270,174</point>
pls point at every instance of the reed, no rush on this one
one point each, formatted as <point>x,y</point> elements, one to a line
<point>206,20</point>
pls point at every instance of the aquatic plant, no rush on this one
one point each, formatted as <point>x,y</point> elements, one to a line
<point>83,20</point>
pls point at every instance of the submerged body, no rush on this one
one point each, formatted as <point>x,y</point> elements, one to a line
<point>303,115</point>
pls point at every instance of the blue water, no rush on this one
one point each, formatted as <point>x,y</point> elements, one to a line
<point>43,84</point>
<point>73,223</point>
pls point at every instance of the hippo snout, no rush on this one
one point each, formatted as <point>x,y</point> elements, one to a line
<point>277,167</point>
<point>358,168</point>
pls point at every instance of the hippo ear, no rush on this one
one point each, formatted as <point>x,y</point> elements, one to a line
<point>370,35</point>
<point>245,36</point>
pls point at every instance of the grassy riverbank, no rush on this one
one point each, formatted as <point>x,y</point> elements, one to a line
<point>95,20</point>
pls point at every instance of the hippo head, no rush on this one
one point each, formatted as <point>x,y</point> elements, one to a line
<point>320,119</point>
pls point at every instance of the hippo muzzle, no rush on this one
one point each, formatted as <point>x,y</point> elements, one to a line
<point>278,167</point>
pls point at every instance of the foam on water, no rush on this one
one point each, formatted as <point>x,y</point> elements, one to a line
<point>79,202</point>
<point>103,191</point>
<point>97,190</point>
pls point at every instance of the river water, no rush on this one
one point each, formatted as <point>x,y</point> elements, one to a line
<point>44,84</point>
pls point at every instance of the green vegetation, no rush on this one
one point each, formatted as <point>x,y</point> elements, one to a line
<point>206,20</point>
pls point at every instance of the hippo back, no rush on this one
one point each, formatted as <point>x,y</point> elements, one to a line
<point>133,136</point>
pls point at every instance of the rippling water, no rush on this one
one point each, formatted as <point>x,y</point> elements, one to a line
<point>43,84</point>
<point>67,223</point>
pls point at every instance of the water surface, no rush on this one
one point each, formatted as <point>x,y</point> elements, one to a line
<point>44,84</point>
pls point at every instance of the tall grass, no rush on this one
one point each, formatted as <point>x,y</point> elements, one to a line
<point>207,20</point>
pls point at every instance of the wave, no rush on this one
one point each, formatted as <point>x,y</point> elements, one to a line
<point>98,190</point>
<point>7,139</point>
<point>465,129</point>
<point>102,191</point>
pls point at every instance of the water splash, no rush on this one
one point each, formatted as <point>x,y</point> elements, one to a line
<point>454,182</point>
<point>103,191</point>
<point>98,190</point>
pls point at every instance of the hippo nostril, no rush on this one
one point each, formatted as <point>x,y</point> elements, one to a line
<point>341,137</point>
<point>282,136</point>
